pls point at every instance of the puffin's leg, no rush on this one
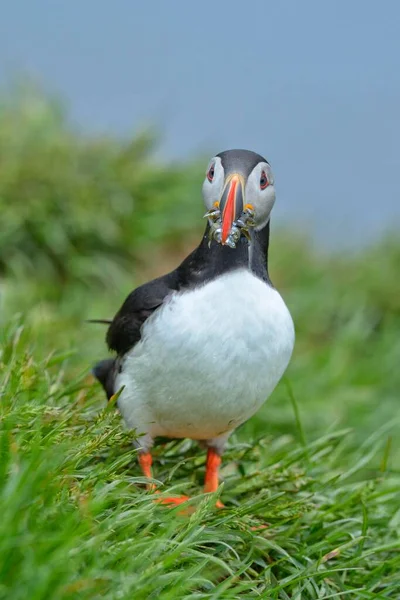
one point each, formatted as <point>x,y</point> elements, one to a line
<point>215,449</point>
<point>145,461</point>
<point>212,470</point>
<point>144,445</point>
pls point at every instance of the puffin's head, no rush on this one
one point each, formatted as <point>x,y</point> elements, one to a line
<point>239,194</point>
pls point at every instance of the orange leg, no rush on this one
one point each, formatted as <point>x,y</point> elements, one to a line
<point>145,461</point>
<point>212,469</point>
<point>210,482</point>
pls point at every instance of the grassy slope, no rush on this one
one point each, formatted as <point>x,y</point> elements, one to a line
<point>319,464</point>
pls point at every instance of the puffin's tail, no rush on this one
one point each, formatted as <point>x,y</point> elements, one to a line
<point>104,371</point>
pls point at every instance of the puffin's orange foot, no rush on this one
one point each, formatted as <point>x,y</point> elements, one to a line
<point>175,500</point>
<point>181,499</point>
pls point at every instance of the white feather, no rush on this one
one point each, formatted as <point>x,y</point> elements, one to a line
<point>207,360</point>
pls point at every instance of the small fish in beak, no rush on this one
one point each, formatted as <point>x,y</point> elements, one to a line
<point>231,217</point>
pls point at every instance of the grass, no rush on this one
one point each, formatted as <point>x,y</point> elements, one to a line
<point>311,484</point>
<point>319,464</point>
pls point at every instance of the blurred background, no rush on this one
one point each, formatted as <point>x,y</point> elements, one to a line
<point>109,113</point>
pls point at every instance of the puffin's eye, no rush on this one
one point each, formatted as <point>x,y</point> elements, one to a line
<point>264,181</point>
<point>210,174</point>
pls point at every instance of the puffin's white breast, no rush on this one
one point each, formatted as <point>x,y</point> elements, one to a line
<point>208,359</point>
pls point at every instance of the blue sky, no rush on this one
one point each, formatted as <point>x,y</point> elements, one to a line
<point>312,85</point>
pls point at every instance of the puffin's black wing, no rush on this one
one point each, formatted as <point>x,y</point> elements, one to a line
<point>125,329</point>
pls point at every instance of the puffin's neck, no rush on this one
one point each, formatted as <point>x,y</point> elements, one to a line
<point>208,261</point>
<point>259,252</point>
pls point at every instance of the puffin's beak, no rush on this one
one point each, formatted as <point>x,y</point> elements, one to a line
<point>231,203</point>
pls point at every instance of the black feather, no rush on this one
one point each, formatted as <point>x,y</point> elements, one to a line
<point>105,372</point>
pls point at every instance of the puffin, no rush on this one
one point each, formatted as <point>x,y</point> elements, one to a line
<point>199,350</point>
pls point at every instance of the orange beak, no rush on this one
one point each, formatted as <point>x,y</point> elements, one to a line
<point>231,204</point>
